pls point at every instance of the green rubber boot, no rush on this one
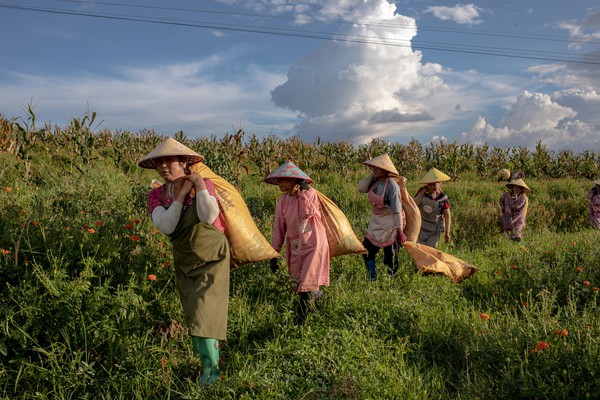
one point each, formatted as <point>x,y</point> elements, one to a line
<point>208,351</point>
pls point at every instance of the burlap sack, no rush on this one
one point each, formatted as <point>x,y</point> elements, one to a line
<point>247,243</point>
<point>340,236</point>
<point>430,260</point>
<point>412,213</point>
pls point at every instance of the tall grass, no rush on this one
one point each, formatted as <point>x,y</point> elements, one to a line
<point>80,317</point>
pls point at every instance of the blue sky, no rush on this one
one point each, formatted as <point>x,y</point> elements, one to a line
<point>493,72</point>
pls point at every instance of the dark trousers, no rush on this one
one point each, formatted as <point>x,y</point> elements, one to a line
<point>390,257</point>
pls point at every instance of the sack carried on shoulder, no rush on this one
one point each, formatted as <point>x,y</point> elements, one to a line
<point>246,242</point>
<point>340,236</point>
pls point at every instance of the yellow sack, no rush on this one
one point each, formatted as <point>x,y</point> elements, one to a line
<point>411,211</point>
<point>430,260</point>
<point>247,244</point>
<point>340,236</point>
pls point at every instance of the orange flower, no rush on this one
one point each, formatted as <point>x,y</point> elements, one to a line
<point>574,243</point>
<point>579,269</point>
<point>23,212</point>
<point>5,252</point>
<point>514,267</point>
<point>7,189</point>
<point>135,221</point>
<point>91,230</point>
<point>165,264</point>
<point>160,244</point>
<point>154,231</point>
<point>152,277</point>
<point>134,238</point>
<point>163,362</point>
<point>542,345</point>
<point>484,316</point>
<point>128,226</point>
<point>98,223</point>
<point>35,223</point>
<point>587,283</point>
<point>595,289</point>
<point>562,332</point>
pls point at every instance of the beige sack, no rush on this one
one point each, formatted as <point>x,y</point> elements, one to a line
<point>247,244</point>
<point>340,236</point>
<point>430,260</point>
<point>411,211</point>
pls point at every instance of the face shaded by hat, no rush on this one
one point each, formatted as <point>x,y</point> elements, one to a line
<point>596,182</point>
<point>383,162</point>
<point>518,182</point>
<point>434,175</point>
<point>287,170</point>
<point>170,148</point>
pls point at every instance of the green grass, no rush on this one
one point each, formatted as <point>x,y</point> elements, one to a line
<point>80,318</point>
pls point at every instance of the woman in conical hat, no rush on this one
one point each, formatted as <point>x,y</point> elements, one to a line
<point>514,204</point>
<point>386,225</point>
<point>186,209</point>
<point>299,224</point>
<point>435,208</point>
<point>593,195</point>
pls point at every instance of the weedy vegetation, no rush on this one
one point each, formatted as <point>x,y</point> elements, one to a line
<point>89,310</point>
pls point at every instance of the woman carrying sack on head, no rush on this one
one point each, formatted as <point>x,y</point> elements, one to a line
<point>435,208</point>
<point>299,223</point>
<point>593,195</point>
<point>514,204</point>
<point>386,225</point>
<point>185,208</point>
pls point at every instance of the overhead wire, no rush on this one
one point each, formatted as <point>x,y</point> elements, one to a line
<point>354,38</point>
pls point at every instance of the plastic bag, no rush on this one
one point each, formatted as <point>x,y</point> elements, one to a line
<point>247,243</point>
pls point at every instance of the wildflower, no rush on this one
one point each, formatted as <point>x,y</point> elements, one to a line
<point>165,264</point>
<point>135,221</point>
<point>525,305</point>
<point>91,230</point>
<point>23,212</point>
<point>152,277</point>
<point>579,269</point>
<point>484,316</point>
<point>587,283</point>
<point>5,252</point>
<point>98,223</point>
<point>134,238</point>
<point>35,223</point>
<point>160,244</point>
<point>562,332</point>
<point>128,226</point>
<point>574,243</point>
<point>542,345</point>
<point>514,267</point>
<point>163,362</point>
<point>595,289</point>
<point>154,231</point>
<point>7,189</point>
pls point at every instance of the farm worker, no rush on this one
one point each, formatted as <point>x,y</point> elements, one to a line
<point>185,208</point>
<point>593,196</point>
<point>435,208</point>
<point>299,223</point>
<point>513,205</point>
<point>386,226</point>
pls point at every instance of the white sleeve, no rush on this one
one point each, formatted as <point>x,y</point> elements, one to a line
<point>206,207</point>
<point>166,219</point>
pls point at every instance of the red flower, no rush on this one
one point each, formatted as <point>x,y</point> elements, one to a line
<point>587,283</point>
<point>595,289</point>
<point>514,267</point>
<point>134,238</point>
<point>135,221</point>
<point>91,230</point>
<point>152,277</point>
<point>7,189</point>
<point>163,362</point>
<point>542,346</point>
<point>562,332</point>
<point>484,316</point>
<point>128,226</point>
<point>5,252</point>
<point>98,223</point>
<point>154,231</point>
<point>165,264</point>
<point>579,269</point>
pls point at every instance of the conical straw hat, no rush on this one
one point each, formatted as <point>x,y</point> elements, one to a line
<point>169,148</point>
<point>504,173</point>
<point>287,170</point>
<point>383,162</point>
<point>434,175</point>
<point>518,182</point>
<point>596,182</point>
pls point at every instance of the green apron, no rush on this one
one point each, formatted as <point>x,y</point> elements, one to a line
<point>201,257</point>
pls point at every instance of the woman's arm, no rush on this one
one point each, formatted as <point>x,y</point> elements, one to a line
<point>447,223</point>
<point>165,220</point>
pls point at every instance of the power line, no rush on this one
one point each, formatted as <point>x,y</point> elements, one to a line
<point>513,53</point>
<point>530,36</point>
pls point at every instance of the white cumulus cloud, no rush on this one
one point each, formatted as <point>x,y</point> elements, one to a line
<point>466,14</point>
